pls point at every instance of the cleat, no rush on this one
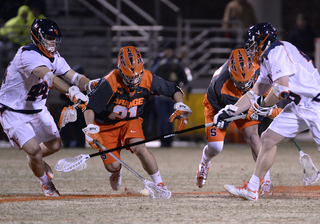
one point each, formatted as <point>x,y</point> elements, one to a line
<point>165,193</point>
<point>116,179</point>
<point>202,173</point>
<point>267,188</point>
<point>49,190</point>
<point>242,192</point>
<point>48,170</point>
<point>161,186</point>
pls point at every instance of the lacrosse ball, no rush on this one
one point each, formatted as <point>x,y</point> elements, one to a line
<point>144,192</point>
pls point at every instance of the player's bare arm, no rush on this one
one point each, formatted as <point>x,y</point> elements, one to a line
<point>178,97</point>
<point>89,116</point>
<point>77,79</point>
<point>55,82</point>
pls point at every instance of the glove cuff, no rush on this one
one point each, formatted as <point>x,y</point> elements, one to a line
<point>179,104</point>
<point>92,129</point>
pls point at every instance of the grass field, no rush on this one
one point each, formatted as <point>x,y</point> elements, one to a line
<point>88,198</point>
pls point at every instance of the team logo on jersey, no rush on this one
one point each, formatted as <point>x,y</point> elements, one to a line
<point>129,104</point>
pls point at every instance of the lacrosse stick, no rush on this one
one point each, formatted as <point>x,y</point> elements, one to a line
<point>69,114</point>
<point>310,173</point>
<point>76,163</point>
<point>154,191</point>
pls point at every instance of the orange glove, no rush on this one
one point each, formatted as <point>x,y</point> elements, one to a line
<point>91,85</point>
<point>92,133</point>
<point>182,112</point>
<point>255,116</point>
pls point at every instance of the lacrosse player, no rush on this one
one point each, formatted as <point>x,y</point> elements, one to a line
<point>291,74</point>
<point>233,79</point>
<point>35,69</point>
<point>114,109</point>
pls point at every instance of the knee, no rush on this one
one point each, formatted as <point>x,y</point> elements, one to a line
<point>55,146</point>
<point>139,150</point>
<point>35,154</point>
<point>214,148</point>
<point>113,167</point>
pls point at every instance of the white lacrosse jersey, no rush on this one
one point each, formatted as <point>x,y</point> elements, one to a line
<point>282,59</point>
<point>23,90</point>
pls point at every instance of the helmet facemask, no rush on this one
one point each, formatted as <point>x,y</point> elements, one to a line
<point>242,86</point>
<point>131,81</point>
<point>49,44</point>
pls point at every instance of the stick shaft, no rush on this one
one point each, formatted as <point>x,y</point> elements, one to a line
<point>242,116</point>
<point>120,161</point>
<point>296,143</point>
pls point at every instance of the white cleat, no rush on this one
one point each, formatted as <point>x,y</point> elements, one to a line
<point>242,192</point>
<point>166,194</point>
<point>202,174</point>
<point>267,188</point>
<point>49,190</point>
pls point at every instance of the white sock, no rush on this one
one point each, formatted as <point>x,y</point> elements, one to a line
<point>254,183</point>
<point>156,178</point>
<point>44,179</point>
<point>205,159</point>
<point>267,176</point>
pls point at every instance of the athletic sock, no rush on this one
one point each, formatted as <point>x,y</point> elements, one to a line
<point>156,178</point>
<point>44,179</point>
<point>267,176</point>
<point>205,159</point>
<point>254,183</point>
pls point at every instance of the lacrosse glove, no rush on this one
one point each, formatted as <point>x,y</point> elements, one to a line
<point>226,112</point>
<point>92,133</point>
<point>182,113</point>
<point>257,112</point>
<point>76,96</point>
<point>91,85</point>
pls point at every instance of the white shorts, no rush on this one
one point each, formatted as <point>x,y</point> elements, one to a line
<point>295,119</point>
<point>20,128</point>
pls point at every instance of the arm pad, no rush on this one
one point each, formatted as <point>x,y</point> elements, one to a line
<point>76,79</point>
<point>48,77</point>
<point>281,92</point>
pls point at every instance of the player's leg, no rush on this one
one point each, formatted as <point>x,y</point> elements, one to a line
<point>47,133</point>
<point>20,130</point>
<point>215,143</point>
<point>252,138</point>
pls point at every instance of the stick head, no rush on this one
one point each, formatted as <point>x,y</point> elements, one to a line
<point>68,164</point>
<point>310,173</point>
<point>68,114</point>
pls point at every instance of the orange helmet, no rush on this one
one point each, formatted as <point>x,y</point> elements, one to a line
<point>241,69</point>
<point>130,65</point>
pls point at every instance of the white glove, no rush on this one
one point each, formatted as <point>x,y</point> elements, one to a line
<point>224,113</point>
<point>91,85</point>
<point>262,111</point>
<point>92,133</point>
<point>182,112</point>
<point>75,95</point>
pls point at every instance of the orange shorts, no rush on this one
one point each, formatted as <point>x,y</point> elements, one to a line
<point>216,135</point>
<point>116,135</point>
